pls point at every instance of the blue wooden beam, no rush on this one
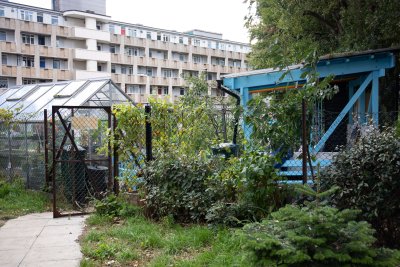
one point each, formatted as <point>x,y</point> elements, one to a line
<point>375,98</point>
<point>244,99</point>
<point>351,93</point>
<point>343,113</point>
<point>337,67</point>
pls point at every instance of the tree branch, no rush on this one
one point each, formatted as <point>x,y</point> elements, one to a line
<point>335,28</point>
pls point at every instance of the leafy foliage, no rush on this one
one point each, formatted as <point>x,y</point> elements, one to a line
<point>111,206</point>
<point>368,176</point>
<point>179,187</point>
<point>290,32</point>
<point>187,128</point>
<point>247,189</point>
<point>315,236</point>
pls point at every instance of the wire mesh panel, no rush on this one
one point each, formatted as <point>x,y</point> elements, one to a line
<point>325,139</point>
<point>82,168</point>
<point>21,152</point>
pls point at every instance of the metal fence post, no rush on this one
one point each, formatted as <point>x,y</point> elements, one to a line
<point>27,156</point>
<point>149,148</point>
<point>304,140</point>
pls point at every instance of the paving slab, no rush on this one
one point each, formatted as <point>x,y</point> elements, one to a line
<point>39,240</point>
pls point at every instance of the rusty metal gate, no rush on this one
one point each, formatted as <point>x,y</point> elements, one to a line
<point>83,165</point>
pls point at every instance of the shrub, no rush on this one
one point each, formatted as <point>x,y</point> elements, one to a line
<point>247,189</point>
<point>178,187</point>
<point>111,206</point>
<point>368,176</point>
<point>315,236</point>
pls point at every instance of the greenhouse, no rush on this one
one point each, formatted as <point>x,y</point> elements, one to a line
<point>22,145</point>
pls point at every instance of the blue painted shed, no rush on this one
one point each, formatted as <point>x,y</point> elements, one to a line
<point>360,70</point>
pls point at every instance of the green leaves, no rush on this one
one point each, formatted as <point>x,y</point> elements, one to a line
<point>368,177</point>
<point>314,236</point>
<point>290,32</point>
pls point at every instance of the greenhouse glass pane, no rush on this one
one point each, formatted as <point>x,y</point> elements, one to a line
<point>22,92</point>
<point>7,94</point>
<point>38,104</point>
<point>83,95</point>
<point>70,89</point>
<point>29,100</point>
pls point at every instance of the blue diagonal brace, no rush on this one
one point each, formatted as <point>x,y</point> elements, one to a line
<point>342,114</point>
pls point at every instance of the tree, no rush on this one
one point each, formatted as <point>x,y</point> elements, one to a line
<point>291,31</point>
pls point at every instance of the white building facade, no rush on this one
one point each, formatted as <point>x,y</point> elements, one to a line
<point>41,45</point>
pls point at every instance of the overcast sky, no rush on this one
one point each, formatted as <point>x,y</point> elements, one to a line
<point>221,16</point>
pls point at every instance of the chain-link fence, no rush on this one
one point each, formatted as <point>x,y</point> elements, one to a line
<point>326,135</point>
<point>22,152</point>
<point>80,168</point>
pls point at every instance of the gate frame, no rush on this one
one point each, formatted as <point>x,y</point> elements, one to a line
<point>51,170</point>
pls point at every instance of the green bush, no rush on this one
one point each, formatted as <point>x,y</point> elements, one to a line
<point>111,206</point>
<point>178,187</point>
<point>247,190</point>
<point>368,176</point>
<point>315,236</point>
<point>5,189</point>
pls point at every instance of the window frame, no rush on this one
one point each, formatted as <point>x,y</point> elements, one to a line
<point>28,38</point>
<point>26,15</point>
<point>2,11</point>
<point>39,15</point>
<point>5,36</point>
<point>54,20</point>
<point>4,59</point>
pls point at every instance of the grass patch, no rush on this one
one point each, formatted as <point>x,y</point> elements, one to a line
<point>15,200</point>
<point>137,241</point>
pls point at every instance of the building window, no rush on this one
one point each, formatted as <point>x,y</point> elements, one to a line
<point>41,40</point>
<point>26,15</point>
<point>26,61</point>
<point>130,70</point>
<point>133,89</point>
<point>29,81</point>
<point>159,36</point>
<point>3,83</point>
<point>4,59</point>
<point>99,68</point>
<point>165,90</point>
<point>112,49</point>
<point>54,20</point>
<point>42,63</point>
<point>98,47</point>
<point>149,72</point>
<point>2,13</point>
<point>59,42</point>
<point>132,32</point>
<point>148,35</point>
<point>3,36</point>
<point>28,38</point>
<point>196,42</point>
<point>98,26</point>
<point>196,59</point>
<point>166,38</point>
<point>111,28</point>
<point>181,40</point>
<point>167,73</point>
<point>39,17</point>
<point>182,91</point>
<point>56,64</point>
<point>112,68</point>
<point>123,70</point>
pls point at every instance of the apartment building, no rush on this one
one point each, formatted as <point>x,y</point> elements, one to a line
<point>40,45</point>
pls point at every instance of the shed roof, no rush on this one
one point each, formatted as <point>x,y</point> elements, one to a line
<point>28,102</point>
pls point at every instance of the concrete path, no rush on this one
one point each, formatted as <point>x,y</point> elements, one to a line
<point>38,240</point>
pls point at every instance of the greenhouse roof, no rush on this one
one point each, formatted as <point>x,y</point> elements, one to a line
<point>28,102</point>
